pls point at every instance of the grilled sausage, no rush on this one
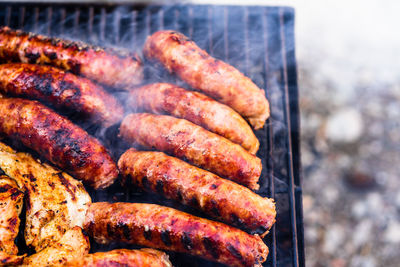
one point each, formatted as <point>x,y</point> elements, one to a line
<point>10,208</point>
<point>164,98</point>
<point>145,257</point>
<point>116,69</point>
<point>58,140</point>
<point>63,91</point>
<point>169,229</point>
<point>189,141</point>
<point>178,180</point>
<point>213,77</point>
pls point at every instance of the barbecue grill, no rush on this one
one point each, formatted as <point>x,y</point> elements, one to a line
<point>259,41</point>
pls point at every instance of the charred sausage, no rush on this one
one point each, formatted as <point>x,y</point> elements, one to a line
<point>145,257</point>
<point>63,91</point>
<point>189,141</point>
<point>178,180</point>
<point>112,68</point>
<point>169,229</point>
<point>58,140</point>
<point>164,98</point>
<point>213,77</point>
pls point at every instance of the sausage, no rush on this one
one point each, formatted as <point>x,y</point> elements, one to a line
<point>164,98</point>
<point>58,140</point>
<point>198,146</point>
<point>109,67</point>
<point>213,77</point>
<point>169,229</point>
<point>145,257</point>
<point>63,91</point>
<point>220,198</point>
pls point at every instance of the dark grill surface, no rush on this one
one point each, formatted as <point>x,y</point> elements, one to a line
<point>259,41</point>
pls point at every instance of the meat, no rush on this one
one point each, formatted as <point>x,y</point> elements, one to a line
<point>55,202</point>
<point>58,140</point>
<point>10,208</point>
<point>63,91</point>
<point>169,229</point>
<point>123,258</point>
<point>73,244</point>
<point>10,260</point>
<point>178,180</point>
<point>164,98</point>
<point>213,77</point>
<point>109,67</point>
<point>186,140</point>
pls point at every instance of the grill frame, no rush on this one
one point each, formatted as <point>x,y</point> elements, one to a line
<point>280,139</point>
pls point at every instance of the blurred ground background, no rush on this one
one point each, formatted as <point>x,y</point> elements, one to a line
<point>348,56</point>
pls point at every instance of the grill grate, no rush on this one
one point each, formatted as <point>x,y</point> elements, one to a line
<point>259,41</point>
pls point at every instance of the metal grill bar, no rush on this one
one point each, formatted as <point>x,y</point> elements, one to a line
<point>257,40</point>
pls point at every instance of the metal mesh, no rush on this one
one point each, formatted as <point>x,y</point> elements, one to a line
<point>259,41</point>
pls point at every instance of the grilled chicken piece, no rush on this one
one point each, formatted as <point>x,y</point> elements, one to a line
<point>113,68</point>
<point>55,202</point>
<point>73,244</point>
<point>169,229</point>
<point>145,257</point>
<point>10,208</point>
<point>165,98</point>
<point>58,140</point>
<point>175,179</point>
<point>11,198</point>
<point>10,260</point>
<point>213,77</point>
<point>193,143</point>
<point>63,91</point>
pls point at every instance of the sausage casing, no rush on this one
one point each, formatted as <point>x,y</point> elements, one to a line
<point>164,98</point>
<point>63,91</point>
<point>178,180</point>
<point>166,228</point>
<point>189,141</point>
<point>145,257</point>
<point>58,140</point>
<point>213,77</point>
<point>109,67</point>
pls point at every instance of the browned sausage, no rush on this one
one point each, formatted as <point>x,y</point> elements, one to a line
<point>178,180</point>
<point>189,141</point>
<point>165,98</point>
<point>109,67</point>
<point>145,257</point>
<point>213,77</point>
<point>58,140</point>
<point>63,91</point>
<point>166,228</point>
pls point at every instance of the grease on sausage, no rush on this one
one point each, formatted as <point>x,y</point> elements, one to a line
<point>189,141</point>
<point>169,229</point>
<point>164,98</point>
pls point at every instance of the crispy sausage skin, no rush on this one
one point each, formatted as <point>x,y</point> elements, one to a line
<point>109,67</point>
<point>165,98</point>
<point>178,180</point>
<point>63,91</point>
<point>189,141</point>
<point>145,257</point>
<point>213,77</point>
<point>58,140</point>
<point>169,229</point>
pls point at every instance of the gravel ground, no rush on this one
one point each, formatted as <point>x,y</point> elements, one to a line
<point>350,110</point>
